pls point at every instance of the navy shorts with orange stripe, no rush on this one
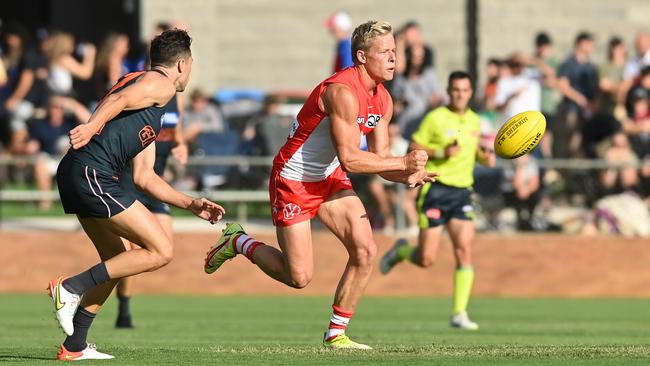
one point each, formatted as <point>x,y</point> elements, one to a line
<point>90,192</point>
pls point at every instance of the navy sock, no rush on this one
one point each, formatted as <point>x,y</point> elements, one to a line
<point>124,307</point>
<point>84,281</point>
<point>81,321</point>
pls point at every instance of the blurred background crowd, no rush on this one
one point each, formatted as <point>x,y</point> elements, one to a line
<point>49,82</point>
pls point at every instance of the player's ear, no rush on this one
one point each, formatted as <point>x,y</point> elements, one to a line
<point>181,65</point>
<point>361,56</point>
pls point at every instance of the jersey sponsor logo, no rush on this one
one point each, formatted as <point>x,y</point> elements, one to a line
<point>147,135</point>
<point>433,213</point>
<point>291,210</point>
<point>169,119</point>
<point>371,122</point>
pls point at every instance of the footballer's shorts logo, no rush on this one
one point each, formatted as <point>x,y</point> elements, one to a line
<point>433,213</point>
<point>291,210</point>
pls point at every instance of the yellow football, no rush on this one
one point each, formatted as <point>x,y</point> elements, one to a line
<point>520,134</point>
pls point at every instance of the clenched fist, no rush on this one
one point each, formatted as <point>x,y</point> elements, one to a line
<point>415,160</point>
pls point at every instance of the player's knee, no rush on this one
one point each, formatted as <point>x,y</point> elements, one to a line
<point>162,257</point>
<point>464,253</point>
<point>364,254</point>
<point>300,280</point>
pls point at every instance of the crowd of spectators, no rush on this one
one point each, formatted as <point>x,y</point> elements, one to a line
<point>593,112</point>
<point>49,82</point>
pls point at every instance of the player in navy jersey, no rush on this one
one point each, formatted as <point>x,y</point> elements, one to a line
<point>169,142</point>
<point>123,128</point>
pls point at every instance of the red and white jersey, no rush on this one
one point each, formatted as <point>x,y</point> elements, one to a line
<point>309,154</point>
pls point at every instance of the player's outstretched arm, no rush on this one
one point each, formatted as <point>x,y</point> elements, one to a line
<point>146,179</point>
<point>341,104</point>
<point>153,89</point>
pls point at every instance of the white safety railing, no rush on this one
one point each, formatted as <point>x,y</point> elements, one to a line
<point>243,197</point>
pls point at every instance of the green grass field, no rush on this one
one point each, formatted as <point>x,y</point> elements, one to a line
<point>188,330</point>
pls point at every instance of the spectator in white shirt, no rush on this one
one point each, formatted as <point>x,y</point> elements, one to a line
<point>516,90</point>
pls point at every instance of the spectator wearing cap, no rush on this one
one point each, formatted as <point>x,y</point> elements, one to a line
<point>339,25</point>
<point>578,83</point>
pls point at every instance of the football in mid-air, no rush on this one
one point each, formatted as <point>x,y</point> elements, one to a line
<point>520,134</point>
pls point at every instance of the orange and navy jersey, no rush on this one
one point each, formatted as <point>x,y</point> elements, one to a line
<point>124,136</point>
<point>166,138</point>
<point>309,154</point>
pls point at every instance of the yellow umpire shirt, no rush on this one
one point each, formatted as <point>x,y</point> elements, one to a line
<point>440,128</point>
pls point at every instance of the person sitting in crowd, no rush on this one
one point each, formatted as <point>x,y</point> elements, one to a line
<point>516,90</point>
<point>25,90</point>
<point>63,65</point>
<point>523,190</point>
<point>637,125</point>
<point>111,62</point>
<point>492,74</point>
<point>48,140</point>
<point>416,91</point>
<point>201,116</point>
<point>621,175</point>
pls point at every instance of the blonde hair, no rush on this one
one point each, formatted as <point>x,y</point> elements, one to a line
<point>60,44</point>
<point>364,34</point>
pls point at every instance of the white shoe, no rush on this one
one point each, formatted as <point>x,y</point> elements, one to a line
<point>462,321</point>
<point>390,259</point>
<point>65,304</point>
<point>89,353</point>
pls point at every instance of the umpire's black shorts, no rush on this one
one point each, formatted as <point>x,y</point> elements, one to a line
<point>89,191</point>
<point>439,203</point>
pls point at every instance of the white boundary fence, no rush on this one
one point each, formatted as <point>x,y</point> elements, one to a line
<point>242,197</point>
